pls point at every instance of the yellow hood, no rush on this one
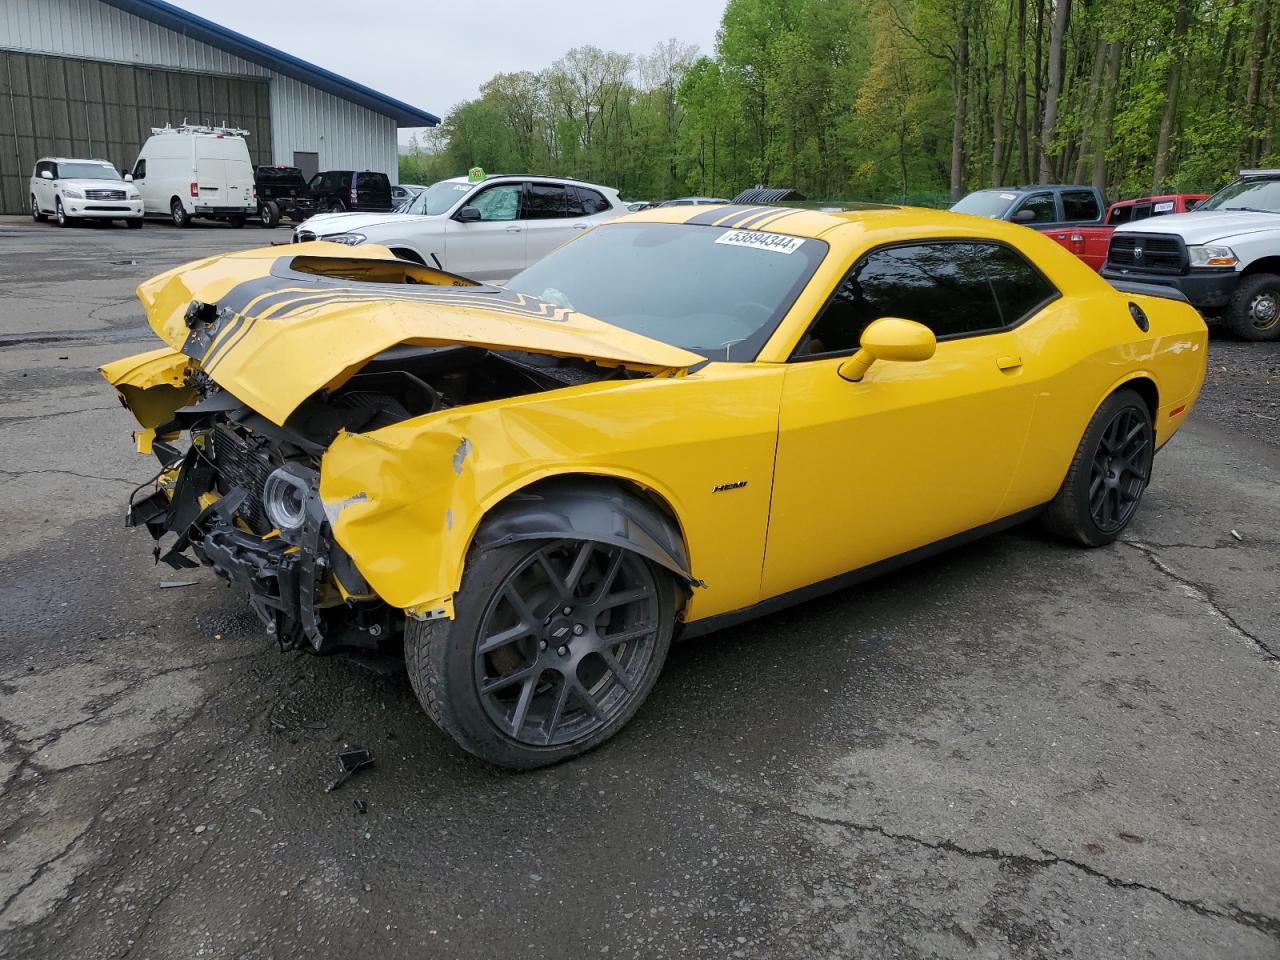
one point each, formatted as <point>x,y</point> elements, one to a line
<point>284,323</point>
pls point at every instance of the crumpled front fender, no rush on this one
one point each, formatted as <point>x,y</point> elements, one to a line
<point>152,386</point>
<point>405,501</point>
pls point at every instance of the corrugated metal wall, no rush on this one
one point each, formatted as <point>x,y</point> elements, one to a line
<point>344,134</point>
<point>58,106</point>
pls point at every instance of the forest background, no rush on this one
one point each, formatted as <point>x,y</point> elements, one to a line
<point>898,100</point>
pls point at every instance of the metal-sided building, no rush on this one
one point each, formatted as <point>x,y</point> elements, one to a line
<point>90,78</point>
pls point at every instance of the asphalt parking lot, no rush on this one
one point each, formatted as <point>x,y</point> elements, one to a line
<point>1016,750</point>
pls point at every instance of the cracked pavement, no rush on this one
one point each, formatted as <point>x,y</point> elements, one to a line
<point>1014,750</point>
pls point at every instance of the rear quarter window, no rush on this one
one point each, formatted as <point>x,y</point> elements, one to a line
<point>1080,205</point>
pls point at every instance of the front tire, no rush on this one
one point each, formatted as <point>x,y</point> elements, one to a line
<point>181,219</point>
<point>553,647</point>
<point>1254,311</point>
<point>61,214</point>
<point>1108,475</point>
<point>36,215</point>
<point>134,223</point>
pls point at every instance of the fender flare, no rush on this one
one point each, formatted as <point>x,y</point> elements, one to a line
<point>589,508</point>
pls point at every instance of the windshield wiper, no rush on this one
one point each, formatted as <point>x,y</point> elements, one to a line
<point>1250,209</point>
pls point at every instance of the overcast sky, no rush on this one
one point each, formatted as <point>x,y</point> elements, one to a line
<point>436,55</point>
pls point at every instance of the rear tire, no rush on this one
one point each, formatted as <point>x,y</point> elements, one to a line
<point>1254,311</point>
<point>1107,476</point>
<point>134,223</point>
<point>269,214</point>
<point>236,222</point>
<point>181,218</point>
<point>544,692</point>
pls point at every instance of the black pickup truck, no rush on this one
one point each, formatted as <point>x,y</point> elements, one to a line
<point>282,192</point>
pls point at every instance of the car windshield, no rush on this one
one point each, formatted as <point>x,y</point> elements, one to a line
<point>715,291</point>
<point>438,198</point>
<point>1259,195</point>
<point>87,171</point>
<point>986,203</point>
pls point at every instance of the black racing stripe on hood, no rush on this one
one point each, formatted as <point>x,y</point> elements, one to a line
<point>283,286</point>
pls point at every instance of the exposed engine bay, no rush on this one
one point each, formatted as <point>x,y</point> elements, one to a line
<point>243,494</point>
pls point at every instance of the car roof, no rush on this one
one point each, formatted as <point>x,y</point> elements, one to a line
<point>75,160</point>
<point>796,221</point>
<point>526,176</point>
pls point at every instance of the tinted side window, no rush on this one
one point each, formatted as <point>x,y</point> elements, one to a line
<point>592,201</point>
<point>1080,205</point>
<point>375,183</point>
<point>1120,215</point>
<point>956,288</point>
<point>1042,207</point>
<point>546,201</point>
<point>1141,211</point>
<point>497,203</point>
<point>140,170</point>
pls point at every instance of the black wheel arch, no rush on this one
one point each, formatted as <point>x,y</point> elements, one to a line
<point>1262,265</point>
<point>584,507</point>
<point>1144,387</point>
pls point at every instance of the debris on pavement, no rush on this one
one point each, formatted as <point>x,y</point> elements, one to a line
<point>1236,534</point>
<point>348,763</point>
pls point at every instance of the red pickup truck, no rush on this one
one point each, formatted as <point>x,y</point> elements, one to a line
<point>1090,244</point>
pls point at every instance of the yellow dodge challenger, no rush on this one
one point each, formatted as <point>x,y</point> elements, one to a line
<point>679,420</point>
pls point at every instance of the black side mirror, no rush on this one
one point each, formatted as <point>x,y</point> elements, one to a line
<point>1024,216</point>
<point>468,215</point>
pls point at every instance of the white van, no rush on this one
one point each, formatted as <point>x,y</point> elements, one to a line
<point>189,171</point>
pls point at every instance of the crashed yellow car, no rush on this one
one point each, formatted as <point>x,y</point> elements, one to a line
<point>679,420</point>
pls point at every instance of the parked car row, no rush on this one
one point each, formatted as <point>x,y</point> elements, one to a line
<point>1220,252</point>
<point>188,172</point>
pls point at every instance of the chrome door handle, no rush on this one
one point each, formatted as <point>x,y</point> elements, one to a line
<point>514,229</point>
<point>581,226</point>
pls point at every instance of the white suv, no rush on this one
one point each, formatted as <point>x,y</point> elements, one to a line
<point>1223,256</point>
<point>488,230</point>
<point>69,189</point>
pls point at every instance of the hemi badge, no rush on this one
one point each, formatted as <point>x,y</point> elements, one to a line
<point>721,487</point>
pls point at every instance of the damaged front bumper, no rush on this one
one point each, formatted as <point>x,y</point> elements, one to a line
<point>301,584</point>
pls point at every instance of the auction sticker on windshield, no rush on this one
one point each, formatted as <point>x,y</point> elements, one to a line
<point>773,242</point>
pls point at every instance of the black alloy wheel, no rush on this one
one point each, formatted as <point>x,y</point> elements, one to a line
<point>1120,470</point>
<point>565,641</point>
<point>1108,475</point>
<point>553,647</point>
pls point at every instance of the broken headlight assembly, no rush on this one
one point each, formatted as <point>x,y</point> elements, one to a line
<point>285,495</point>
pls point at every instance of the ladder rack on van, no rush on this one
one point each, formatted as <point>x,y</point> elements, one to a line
<point>198,128</point>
